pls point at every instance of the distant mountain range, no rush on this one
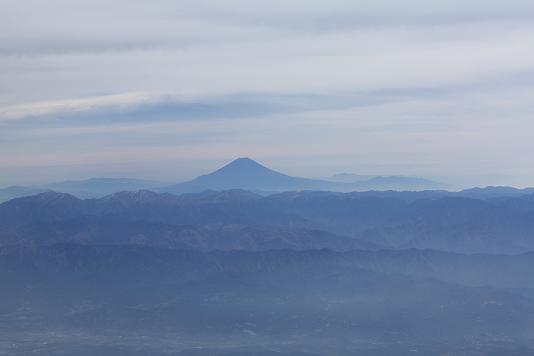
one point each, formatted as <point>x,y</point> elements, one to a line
<point>19,191</point>
<point>88,188</point>
<point>95,187</point>
<point>245,173</point>
<point>363,182</point>
<point>242,173</point>
<point>348,177</point>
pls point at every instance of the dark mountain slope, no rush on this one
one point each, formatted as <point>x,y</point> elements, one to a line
<point>44,207</point>
<point>394,220</point>
<point>435,221</point>
<point>204,237</point>
<point>495,192</point>
<point>210,220</point>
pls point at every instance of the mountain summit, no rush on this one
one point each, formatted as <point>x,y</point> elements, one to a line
<point>243,166</point>
<point>245,173</point>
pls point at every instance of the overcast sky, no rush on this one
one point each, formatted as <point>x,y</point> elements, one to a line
<point>170,89</point>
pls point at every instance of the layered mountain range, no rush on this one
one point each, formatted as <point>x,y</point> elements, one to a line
<point>242,173</point>
<point>189,271</point>
<point>239,219</point>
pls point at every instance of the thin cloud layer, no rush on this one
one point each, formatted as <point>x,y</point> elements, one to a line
<point>97,82</point>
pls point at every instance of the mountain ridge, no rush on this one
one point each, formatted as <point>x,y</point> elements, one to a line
<point>433,219</point>
<point>242,173</point>
<point>245,173</point>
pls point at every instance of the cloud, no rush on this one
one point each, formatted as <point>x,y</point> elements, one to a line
<point>76,106</point>
<point>364,60</point>
<point>156,107</point>
<point>434,86</point>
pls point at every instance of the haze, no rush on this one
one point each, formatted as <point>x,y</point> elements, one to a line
<point>266,178</point>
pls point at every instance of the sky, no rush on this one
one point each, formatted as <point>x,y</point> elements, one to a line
<point>168,90</point>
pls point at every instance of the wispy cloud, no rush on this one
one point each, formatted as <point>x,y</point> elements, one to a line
<point>156,107</point>
<point>76,106</point>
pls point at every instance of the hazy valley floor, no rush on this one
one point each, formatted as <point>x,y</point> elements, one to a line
<point>135,300</point>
